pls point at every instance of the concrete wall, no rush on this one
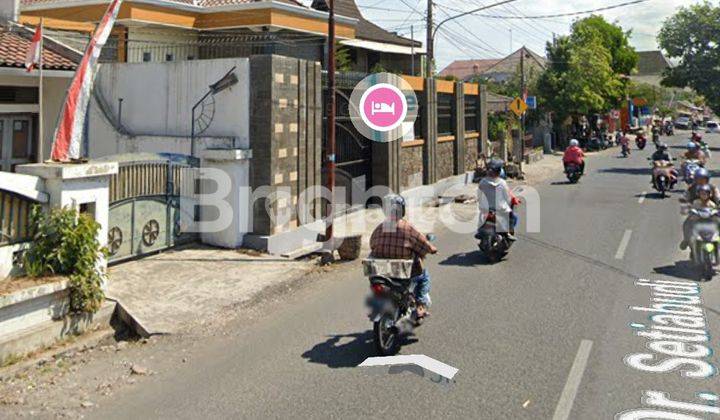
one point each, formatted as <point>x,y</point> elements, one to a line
<point>36,317</point>
<point>160,42</point>
<point>158,99</point>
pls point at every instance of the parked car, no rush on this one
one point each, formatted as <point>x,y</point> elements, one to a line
<point>682,123</point>
<point>712,127</point>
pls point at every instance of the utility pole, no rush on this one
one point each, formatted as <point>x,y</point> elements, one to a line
<point>330,146</point>
<point>412,50</point>
<point>430,56</point>
<point>524,97</point>
<point>511,41</point>
<point>432,29</point>
<point>41,125</point>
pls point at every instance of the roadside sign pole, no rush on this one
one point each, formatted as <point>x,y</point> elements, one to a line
<point>522,118</point>
<point>41,126</point>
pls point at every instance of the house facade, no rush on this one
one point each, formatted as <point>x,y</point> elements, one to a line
<point>497,70</point>
<point>21,107</point>
<point>176,30</point>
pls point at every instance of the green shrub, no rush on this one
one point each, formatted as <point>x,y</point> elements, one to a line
<point>64,242</point>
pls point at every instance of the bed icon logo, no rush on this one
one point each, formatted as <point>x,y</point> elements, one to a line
<point>383,107</point>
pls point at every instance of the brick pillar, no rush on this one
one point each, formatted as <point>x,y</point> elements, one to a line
<point>458,121</point>
<point>429,131</point>
<point>386,164</point>
<point>285,134</point>
<point>482,115</point>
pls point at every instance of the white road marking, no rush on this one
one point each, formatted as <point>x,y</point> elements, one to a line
<point>623,245</point>
<point>567,398</point>
<point>425,362</point>
<point>642,197</point>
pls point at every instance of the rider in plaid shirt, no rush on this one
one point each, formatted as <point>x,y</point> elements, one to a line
<point>396,238</point>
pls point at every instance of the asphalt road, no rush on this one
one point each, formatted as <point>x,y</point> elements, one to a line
<point>544,334</point>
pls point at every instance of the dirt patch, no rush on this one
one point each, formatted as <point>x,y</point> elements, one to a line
<point>19,283</point>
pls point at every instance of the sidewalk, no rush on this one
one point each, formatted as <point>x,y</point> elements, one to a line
<point>166,291</point>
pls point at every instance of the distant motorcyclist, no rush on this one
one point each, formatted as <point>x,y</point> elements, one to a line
<point>662,165</point>
<point>574,156</point>
<point>661,153</point>
<point>703,201</point>
<point>396,238</point>
<point>494,195</point>
<point>704,198</point>
<point>702,177</point>
<point>625,143</point>
<point>695,153</point>
<point>697,138</point>
<point>656,134</point>
<point>702,183</point>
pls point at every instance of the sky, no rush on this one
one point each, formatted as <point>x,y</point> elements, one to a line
<point>474,37</point>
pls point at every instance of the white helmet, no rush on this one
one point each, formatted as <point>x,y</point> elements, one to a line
<point>574,143</point>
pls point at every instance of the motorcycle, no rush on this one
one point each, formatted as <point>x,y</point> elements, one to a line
<point>664,176</point>
<point>573,173</point>
<point>641,141</point>
<point>493,244</point>
<point>597,144</point>
<point>669,130</point>
<point>704,242</point>
<point>393,309</point>
<point>689,168</point>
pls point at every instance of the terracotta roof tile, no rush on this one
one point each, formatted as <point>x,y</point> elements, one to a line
<point>14,47</point>
<point>365,29</point>
<point>652,63</point>
<point>463,69</point>
<point>204,3</point>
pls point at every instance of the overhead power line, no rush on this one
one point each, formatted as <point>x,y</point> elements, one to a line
<point>600,9</point>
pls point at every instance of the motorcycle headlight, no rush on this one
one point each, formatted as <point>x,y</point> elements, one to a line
<point>710,247</point>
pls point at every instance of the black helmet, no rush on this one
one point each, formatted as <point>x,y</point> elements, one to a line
<point>704,188</point>
<point>702,173</point>
<point>496,166</point>
<point>662,147</point>
<point>395,206</point>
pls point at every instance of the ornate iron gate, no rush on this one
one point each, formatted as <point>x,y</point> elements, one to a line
<point>145,195</point>
<point>353,151</point>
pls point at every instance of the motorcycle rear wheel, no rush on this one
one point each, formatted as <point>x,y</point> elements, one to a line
<point>387,341</point>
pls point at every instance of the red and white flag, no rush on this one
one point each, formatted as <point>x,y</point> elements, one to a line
<point>68,134</point>
<point>34,53</point>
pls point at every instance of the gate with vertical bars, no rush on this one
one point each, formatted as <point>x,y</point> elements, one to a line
<point>145,196</point>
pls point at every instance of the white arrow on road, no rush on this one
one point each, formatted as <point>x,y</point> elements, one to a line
<point>426,363</point>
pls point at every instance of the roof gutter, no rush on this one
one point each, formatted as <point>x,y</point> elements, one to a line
<point>304,11</point>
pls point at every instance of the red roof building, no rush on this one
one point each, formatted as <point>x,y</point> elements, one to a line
<point>15,42</point>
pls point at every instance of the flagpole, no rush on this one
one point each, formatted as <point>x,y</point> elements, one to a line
<point>40,99</point>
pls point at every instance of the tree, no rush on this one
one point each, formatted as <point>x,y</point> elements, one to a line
<point>692,35</point>
<point>343,61</point>
<point>587,69</point>
<point>624,58</point>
